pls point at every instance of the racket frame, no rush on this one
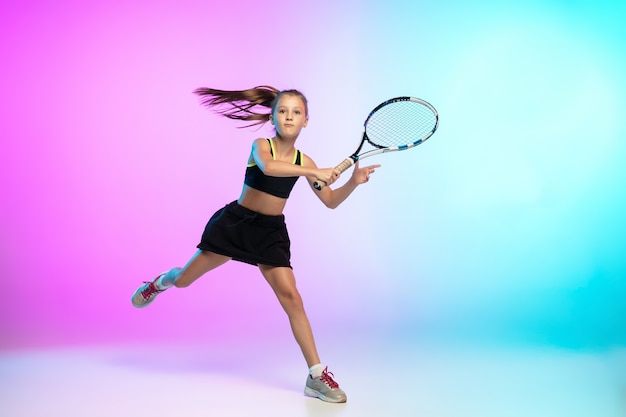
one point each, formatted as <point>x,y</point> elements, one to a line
<point>352,159</point>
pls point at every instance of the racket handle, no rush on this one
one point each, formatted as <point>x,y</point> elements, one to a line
<point>347,163</point>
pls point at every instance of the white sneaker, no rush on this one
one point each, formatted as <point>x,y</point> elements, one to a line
<point>325,388</point>
<point>146,293</point>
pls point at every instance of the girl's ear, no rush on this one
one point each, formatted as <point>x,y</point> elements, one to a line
<point>271,118</point>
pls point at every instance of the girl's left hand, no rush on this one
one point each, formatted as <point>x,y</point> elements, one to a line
<point>362,175</point>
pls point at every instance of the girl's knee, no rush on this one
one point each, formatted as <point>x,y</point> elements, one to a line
<point>291,300</point>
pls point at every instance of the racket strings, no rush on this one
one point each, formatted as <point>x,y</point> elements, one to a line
<point>400,123</point>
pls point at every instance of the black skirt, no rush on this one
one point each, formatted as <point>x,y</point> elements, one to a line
<point>247,236</point>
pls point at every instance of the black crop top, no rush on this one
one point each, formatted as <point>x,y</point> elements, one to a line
<point>276,186</point>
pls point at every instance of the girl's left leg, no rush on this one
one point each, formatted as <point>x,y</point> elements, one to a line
<point>283,282</point>
<point>319,382</point>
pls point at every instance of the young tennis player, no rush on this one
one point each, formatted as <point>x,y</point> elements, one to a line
<point>252,229</point>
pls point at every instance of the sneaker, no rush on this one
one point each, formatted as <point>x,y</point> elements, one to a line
<point>325,388</point>
<point>146,293</point>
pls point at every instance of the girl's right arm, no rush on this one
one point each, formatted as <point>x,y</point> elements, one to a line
<point>261,153</point>
<point>333,198</point>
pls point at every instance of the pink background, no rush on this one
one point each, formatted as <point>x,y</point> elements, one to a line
<point>513,215</point>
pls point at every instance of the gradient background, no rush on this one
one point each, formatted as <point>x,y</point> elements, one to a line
<point>513,215</point>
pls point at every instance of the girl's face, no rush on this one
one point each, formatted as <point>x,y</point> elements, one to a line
<point>290,116</point>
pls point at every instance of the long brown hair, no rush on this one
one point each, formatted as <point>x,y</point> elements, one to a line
<point>244,104</point>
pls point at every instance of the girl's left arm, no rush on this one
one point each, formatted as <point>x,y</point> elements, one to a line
<point>332,198</point>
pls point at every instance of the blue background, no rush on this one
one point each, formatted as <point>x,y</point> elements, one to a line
<point>507,226</point>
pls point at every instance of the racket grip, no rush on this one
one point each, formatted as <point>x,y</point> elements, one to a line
<point>347,163</point>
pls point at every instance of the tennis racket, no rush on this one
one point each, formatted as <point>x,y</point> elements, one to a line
<point>395,125</point>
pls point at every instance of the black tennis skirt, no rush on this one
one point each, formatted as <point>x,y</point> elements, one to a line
<point>247,236</point>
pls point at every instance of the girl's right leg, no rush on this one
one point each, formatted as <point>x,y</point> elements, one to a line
<point>201,263</point>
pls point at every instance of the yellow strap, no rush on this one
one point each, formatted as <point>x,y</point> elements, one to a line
<point>295,155</point>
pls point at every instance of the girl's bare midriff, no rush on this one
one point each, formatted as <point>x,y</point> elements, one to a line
<point>261,202</point>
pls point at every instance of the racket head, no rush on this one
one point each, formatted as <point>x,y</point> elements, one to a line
<point>401,123</point>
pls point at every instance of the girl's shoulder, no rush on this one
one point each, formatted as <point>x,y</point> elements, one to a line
<point>261,142</point>
<point>306,160</point>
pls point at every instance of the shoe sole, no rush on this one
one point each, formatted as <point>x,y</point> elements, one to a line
<point>140,305</point>
<point>309,392</point>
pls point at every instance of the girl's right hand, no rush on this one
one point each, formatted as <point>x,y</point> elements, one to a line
<point>328,175</point>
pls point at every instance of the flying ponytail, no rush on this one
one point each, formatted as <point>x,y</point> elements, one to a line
<point>244,104</point>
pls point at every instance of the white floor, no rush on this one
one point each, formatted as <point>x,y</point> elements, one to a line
<point>380,380</point>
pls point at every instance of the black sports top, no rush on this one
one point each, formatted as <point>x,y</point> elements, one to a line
<point>276,186</point>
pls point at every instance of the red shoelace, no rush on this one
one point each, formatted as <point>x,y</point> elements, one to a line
<point>327,377</point>
<point>150,290</point>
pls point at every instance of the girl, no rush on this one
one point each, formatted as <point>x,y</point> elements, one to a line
<point>252,229</point>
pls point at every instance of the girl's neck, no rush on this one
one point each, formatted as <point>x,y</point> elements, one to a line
<point>283,146</point>
<point>289,142</point>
